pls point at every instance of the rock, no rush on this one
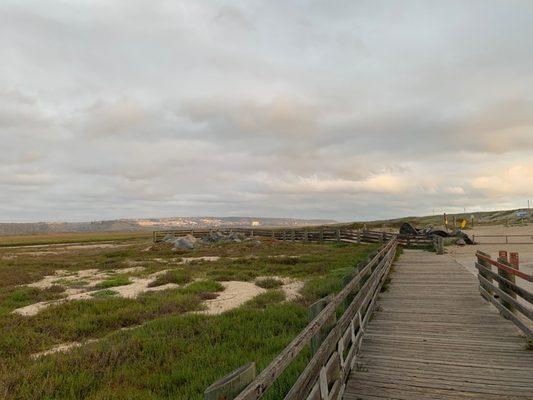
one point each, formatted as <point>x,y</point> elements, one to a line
<point>219,237</point>
<point>183,242</point>
<point>460,242</point>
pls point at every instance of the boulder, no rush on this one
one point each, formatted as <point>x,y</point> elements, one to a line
<point>183,242</point>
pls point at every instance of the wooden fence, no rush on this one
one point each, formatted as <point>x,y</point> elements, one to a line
<point>504,296</point>
<point>502,239</point>
<point>314,235</point>
<point>326,373</point>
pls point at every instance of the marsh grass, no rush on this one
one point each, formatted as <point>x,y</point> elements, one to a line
<point>174,353</point>
<point>112,282</point>
<point>103,294</point>
<point>179,277</point>
<point>269,283</point>
<point>172,357</point>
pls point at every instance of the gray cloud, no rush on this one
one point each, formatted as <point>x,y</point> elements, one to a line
<point>350,109</point>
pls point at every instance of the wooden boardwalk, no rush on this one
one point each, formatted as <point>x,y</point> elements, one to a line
<point>434,337</point>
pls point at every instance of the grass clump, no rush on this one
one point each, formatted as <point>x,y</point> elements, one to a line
<point>175,276</point>
<point>104,294</point>
<point>112,282</point>
<point>17,297</point>
<point>269,283</point>
<point>263,300</point>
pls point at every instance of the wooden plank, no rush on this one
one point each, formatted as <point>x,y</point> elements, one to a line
<point>429,341</point>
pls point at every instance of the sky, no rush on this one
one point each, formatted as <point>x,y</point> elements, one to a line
<point>351,110</point>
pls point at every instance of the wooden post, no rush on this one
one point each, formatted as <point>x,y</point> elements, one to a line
<point>314,310</point>
<point>321,235</point>
<point>231,385</point>
<point>358,236</point>
<point>293,235</point>
<point>438,242</point>
<point>483,274</point>
<point>338,233</point>
<point>513,263</point>
<point>306,236</point>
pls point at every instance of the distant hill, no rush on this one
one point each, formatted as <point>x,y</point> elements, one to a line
<point>481,217</point>
<point>150,224</point>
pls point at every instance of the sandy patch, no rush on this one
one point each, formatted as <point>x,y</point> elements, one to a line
<point>137,286</point>
<point>186,260</point>
<point>235,294</point>
<point>62,348</point>
<point>292,289</point>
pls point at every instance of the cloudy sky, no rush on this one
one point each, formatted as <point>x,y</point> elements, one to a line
<point>338,109</point>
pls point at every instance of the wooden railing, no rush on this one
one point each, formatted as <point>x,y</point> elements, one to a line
<point>504,296</point>
<point>313,235</point>
<point>502,239</point>
<point>325,375</point>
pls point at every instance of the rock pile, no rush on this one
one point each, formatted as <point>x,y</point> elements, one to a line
<point>190,242</point>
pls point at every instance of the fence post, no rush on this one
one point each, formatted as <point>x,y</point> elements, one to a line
<point>338,233</point>
<point>293,234</point>
<point>321,235</point>
<point>487,265</point>
<point>358,236</point>
<point>513,263</point>
<point>438,243</point>
<point>314,310</point>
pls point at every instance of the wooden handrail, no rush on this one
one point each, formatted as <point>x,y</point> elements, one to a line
<point>504,296</point>
<point>267,377</point>
<point>504,267</point>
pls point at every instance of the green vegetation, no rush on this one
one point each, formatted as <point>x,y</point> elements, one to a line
<point>16,297</point>
<point>68,238</point>
<point>173,352</point>
<point>174,357</point>
<point>104,293</point>
<point>269,283</point>
<point>175,276</point>
<point>112,282</point>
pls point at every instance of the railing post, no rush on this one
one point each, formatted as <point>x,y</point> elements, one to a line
<point>438,242</point>
<point>487,265</point>
<point>513,263</point>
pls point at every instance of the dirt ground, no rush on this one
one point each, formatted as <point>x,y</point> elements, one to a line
<point>466,255</point>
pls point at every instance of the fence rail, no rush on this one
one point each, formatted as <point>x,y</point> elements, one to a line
<point>325,375</point>
<point>504,296</point>
<point>502,239</point>
<point>313,235</point>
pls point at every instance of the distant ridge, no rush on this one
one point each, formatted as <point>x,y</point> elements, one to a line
<point>148,224</point>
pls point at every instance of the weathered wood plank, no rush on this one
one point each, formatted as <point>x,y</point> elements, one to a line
<point>433,336</point>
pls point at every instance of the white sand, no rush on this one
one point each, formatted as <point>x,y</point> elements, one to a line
<point>235,294</point>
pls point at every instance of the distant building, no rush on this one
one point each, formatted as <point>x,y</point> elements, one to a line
<point>256,223</point>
